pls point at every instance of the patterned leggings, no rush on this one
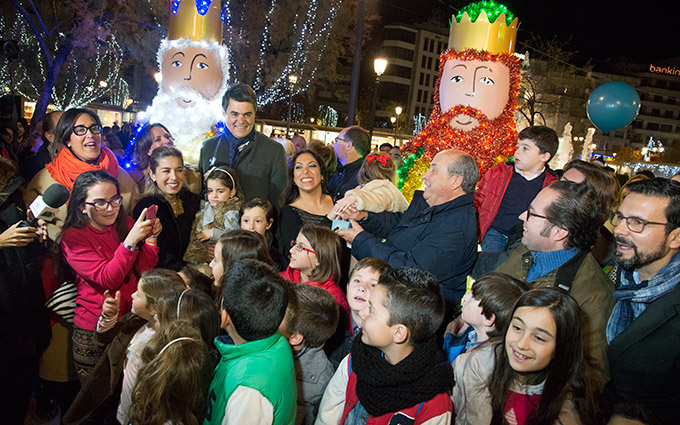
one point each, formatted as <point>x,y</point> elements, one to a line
<point>86,352</point>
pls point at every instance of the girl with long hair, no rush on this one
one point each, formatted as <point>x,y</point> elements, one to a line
<point>315,260</point>
<point>106,250</point>
<point>172,387</point>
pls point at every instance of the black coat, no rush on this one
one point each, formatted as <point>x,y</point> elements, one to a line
<point>644,360</point>
<point>174,238</point>
<point>24,320</point>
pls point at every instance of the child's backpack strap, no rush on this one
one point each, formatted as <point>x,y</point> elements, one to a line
<point>349,364</point>
<point>420,406</point>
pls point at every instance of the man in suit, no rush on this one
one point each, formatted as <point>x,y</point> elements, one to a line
<point>259,162</point>
<point>644,348</point>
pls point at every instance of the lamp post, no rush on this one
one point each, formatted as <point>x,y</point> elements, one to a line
<point>356,64</point>
<point>379,65</point>
<point>393,119</point>
<point>398,110</point>
<point>292,79</point>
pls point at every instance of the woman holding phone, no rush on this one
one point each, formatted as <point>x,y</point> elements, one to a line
<point>176,205</point>
<point>106,251</point>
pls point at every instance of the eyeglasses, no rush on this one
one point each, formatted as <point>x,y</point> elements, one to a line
<point>635,225</point>
<point>533,214</point>
<point>102,205</point>
<point>81,130</point>
<point>337,139</point>
<point>299,247</point>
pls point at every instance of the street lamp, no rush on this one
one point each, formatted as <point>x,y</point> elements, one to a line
<point>379,65</point>
<point>398,110</point>
<point>393,119</point>
<point>292,79</point>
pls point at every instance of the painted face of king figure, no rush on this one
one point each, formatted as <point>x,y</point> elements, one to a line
<point>483,85</point>
<point>196,70</point>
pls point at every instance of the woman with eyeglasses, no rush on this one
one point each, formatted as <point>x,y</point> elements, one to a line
<point>78,140</point>
<point>78,146</point>
<point>105,252</point>
<point>304,199</point>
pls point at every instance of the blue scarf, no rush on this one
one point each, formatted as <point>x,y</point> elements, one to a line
<point>235,146</point>
<point>632,299</point>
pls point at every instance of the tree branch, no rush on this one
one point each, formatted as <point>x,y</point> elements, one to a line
<point>36,31</point>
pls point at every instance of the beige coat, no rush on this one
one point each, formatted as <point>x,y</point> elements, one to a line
<point>471,397</point>
<point>43,180</point>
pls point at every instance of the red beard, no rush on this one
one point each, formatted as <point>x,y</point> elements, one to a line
<point>489,142</point>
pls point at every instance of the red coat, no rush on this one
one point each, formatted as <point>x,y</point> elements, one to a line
<point>294,275</point>
<point>100,262</point>
<point>490,192</point>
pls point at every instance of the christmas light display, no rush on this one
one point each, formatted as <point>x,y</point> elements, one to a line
<point>328,116</point>
<point>475,96</point>
<point>83,81</point>
<point>310,29</point>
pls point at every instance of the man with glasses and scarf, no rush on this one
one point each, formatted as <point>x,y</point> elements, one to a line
<point>642,332</point>
<point>560,227</point>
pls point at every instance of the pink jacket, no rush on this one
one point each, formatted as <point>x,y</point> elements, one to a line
<point>101,262</point>
<point>294,276</point>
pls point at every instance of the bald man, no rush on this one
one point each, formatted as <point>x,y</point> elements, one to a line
<point>437,233</point>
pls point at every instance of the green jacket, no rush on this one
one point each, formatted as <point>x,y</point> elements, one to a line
<point>265,365</point>
<point>590,287</point>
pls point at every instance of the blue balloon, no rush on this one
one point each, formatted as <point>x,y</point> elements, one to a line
<point>612,106</point>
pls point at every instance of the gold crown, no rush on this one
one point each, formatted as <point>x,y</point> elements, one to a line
<point>482,35</point>
<point>187,22</point>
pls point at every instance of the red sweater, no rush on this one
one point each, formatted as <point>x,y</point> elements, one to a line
<point>101,262</point>
<point>294,275</point>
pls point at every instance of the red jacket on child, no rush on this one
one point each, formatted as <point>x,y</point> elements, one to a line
<point>490,192</point>
<point>294,275</point>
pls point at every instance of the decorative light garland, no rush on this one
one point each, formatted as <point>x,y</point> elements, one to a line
<point>84,81</point>
<point>438,135</point>
<point>309,35</point>
<point>493,11</point>
<point>328,115</point>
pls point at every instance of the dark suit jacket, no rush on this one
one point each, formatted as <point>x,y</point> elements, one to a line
<point>644,360</point>
<point>261,166</point>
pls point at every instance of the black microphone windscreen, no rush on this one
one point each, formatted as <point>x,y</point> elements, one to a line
<point>56,195</point>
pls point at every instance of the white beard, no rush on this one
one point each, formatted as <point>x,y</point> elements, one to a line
<point>189,126</point>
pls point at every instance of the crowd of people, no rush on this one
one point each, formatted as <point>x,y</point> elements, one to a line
<point>301,287</point>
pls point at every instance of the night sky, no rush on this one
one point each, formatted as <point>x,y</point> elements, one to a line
<point>641,31</point>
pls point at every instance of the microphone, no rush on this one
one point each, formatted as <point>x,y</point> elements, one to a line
<point>46,206</point>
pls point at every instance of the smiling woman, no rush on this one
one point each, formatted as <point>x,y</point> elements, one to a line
<point>303,200</point>
<point>177,205</point>
<point>106,251</point>
<point>78,136</point>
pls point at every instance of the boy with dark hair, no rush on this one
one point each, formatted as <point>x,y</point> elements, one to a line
<point>395,372</point>
<point>507,189</point>
<point>254,381</point>
<point>310,320</point>
<point>487,310</point>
